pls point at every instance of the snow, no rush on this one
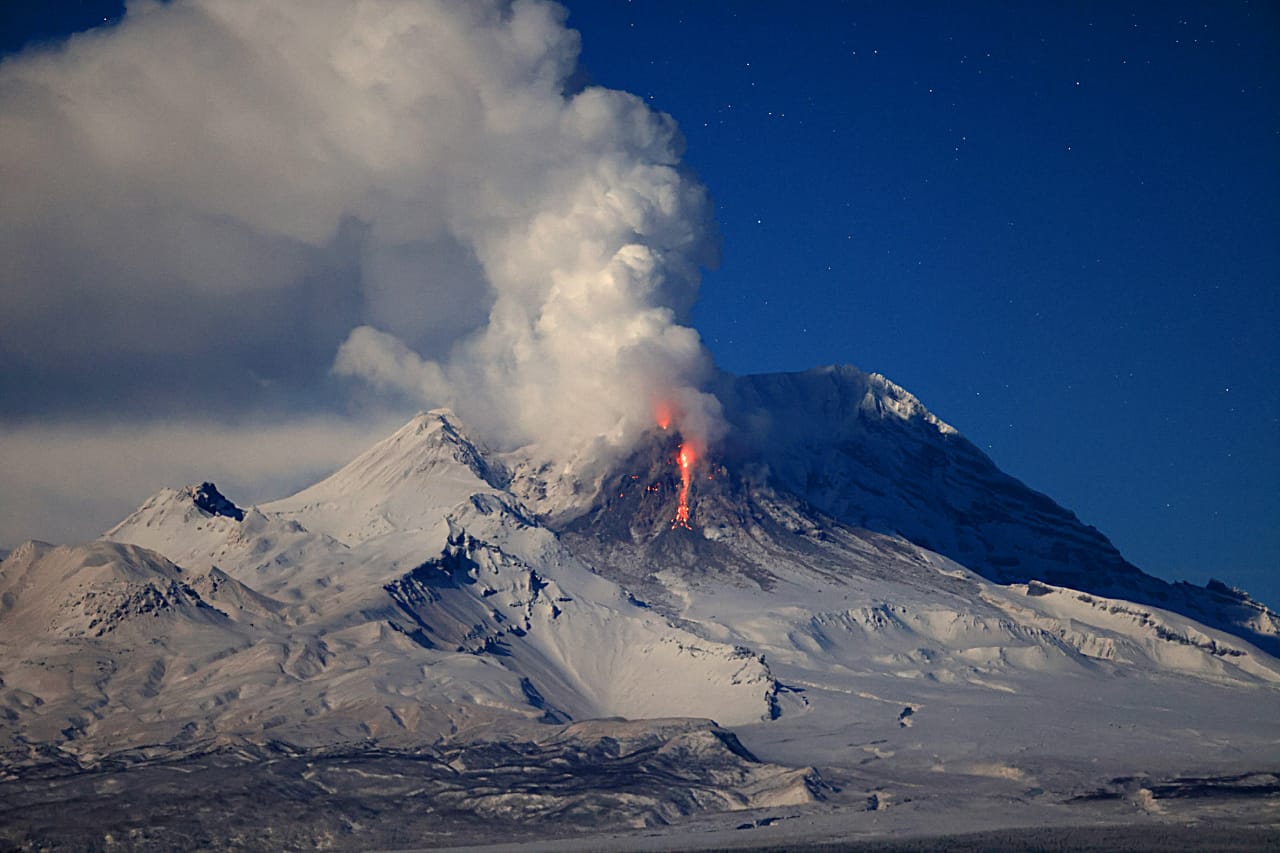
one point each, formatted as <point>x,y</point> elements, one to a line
<point>409,479</point>
<point>432,591</point>
<point>330,555</point>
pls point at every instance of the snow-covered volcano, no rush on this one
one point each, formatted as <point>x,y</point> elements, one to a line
<point>857,584</point>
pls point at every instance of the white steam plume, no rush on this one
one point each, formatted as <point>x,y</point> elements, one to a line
<point>412,185</point>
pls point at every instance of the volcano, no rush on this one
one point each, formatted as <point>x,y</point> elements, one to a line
<point>842,608</point>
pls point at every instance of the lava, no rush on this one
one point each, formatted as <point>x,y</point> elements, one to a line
<point>665,413</point>
<point>685,458</point>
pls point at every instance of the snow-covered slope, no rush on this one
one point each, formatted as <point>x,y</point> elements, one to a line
<point>99,589</point>
<point>417,535</point>
<point>762,570</point>
<point>90,633</point>
<point>857,583</point>
<point>863,450</point>
<point>406,482</point>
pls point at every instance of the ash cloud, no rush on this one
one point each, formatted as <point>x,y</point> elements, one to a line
<point>238,206</point>
<point>70,481</point>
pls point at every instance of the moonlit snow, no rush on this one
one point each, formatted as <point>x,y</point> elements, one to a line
<point>437,614</point>
<point>596,594</point>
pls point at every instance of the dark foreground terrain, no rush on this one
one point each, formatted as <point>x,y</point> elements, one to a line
<point>586,792</point>
<point>575,780</point>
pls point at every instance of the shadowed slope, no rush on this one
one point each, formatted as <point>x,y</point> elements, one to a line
<point>864,451</point>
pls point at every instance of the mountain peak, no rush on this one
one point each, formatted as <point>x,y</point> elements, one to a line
<point>207,497</point>
<point>427,442</point>
<point>93,589</point>
<point>401,483</point>
<point>30,550</point>
<point>442,418</point>
<point>861,449</point>
<point>169,514</point>
<point>885,396</point>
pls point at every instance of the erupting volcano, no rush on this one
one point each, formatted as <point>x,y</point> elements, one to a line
<point>576,647</point>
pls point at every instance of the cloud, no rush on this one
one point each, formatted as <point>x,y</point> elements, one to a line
<point>234,208</point>
<point>71,481</point>
<point>413,186</point>
<point>385,362</point>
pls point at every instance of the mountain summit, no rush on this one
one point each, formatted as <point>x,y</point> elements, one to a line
<point>843,579</point>
<point>866,452</point>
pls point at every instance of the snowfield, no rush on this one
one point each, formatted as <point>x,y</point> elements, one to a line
<point>440,645</point>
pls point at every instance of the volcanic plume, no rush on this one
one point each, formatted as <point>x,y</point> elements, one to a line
<point>420,195</point>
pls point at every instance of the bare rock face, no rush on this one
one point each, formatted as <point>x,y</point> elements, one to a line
<point>207,497</point>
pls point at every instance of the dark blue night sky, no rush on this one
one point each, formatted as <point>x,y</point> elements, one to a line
<point>1056,224</point>
<point>1057,227</point>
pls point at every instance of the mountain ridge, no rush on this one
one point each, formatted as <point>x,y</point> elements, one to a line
<point>434,591</point>
<point>927,483</point>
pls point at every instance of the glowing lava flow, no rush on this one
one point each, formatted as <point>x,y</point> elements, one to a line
<point>685,459</point>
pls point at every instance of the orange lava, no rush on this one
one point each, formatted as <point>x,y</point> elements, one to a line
<point>685,459</point>
<point>666,414</point>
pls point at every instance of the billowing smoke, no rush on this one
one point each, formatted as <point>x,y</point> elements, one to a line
<point>224,199</point>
